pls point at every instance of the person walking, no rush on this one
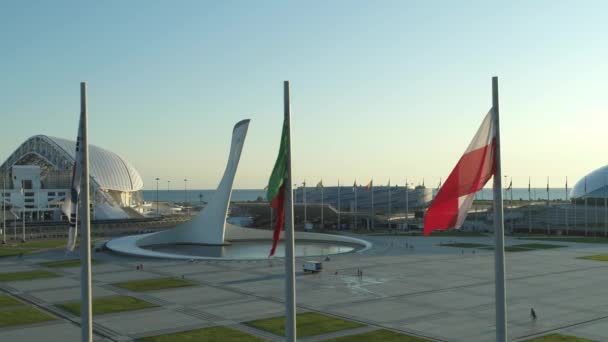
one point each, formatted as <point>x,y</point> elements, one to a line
<point>533,313</point>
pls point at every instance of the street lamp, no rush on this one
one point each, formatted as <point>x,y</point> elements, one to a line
<point>168,187</point>
<point>185,191</point>
<point>157,212</point>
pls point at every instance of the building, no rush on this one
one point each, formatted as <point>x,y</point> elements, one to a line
<point>37,176</point>
<point>593,187</point>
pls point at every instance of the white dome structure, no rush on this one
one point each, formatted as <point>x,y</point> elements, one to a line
<point>593,185</point>
<point>43,165</point>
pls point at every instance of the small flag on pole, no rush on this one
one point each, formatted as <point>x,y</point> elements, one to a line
<point>473,170</point>
<point>70,205</point>
<point>277,187</point>
<point>320,184</point>
<point>510,185</point>
<point>369,185</point>
<point>355,186</point>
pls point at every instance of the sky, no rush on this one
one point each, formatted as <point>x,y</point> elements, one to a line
<point>382,90</point>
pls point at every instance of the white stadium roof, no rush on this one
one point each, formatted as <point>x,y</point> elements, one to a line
<point>108,170</point>
<point>593,185</point>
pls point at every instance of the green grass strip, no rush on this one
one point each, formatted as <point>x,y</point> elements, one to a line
<point>464,245</point>
<point>108,305</point>
<point>65,263</point>
<point>213,334</point>
<point>558,338</point>
<point>598,257</point>
<point>379,335</point>
<point>308,324</point>
<point>23,316</point>
<point>14,276</point>
<point>153,284</point>
<point>6,300</point>
<point>579,239</point>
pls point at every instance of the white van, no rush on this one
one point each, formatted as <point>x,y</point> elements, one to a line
<point>312,266</point>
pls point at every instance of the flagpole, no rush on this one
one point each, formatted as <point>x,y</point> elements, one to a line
<point>355,205</point>
<point>339,206</point>
<point>373,223</point>
<point>566,207</point>
<point>85,226</point>
<point>513,217</point>
<point>407,208</point>
<point>388,221</point>
<point>499,250</point>
<point>529,207</point>
<point>290,287</point>
<point>304,199</point>
<point>548,224</point>
<point>585,206</point>
<point>322,221</point>
<point>605,209</point>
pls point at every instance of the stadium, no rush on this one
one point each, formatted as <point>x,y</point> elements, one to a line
<point>36,178</point>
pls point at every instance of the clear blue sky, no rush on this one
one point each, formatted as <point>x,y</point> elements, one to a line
<point>380,89</point>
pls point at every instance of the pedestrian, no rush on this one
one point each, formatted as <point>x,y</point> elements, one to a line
<point>533,313</point>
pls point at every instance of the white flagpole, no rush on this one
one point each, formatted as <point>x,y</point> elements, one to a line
<point>499,250</point>
<point>290,279</point>
<point>85,226</point>
<point>407,208</point>
<point>529,206</point>
<point>548,224</point>
<point>339,226</point>
<point>388,221</point>
<point>355,206</point>
<point>304,198</point>
<point>566,207</point>
<point>585,206</point>
<point>322,218</point>
<point>373,223</point>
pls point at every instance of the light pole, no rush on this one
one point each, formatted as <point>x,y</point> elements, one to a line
<point>185,191</point>
<point>168,188</point>
<point>157,211</point>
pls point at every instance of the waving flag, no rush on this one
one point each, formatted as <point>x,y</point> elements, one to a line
<point>70,205</point>
<point>320,184</point>
<point>277,187</point>
<point>369,185</point>
<point>473,170</point>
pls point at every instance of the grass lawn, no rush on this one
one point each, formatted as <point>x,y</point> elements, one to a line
<point>16,248</point>
<point>109,305</point>
<point>580,239</point>
<point>526,247</point>
<point>308,324</point>
<point>213,334</point>
<point>65,263</point>
<point>379,335</point>
<point>6,300</point>
<point>598,257</point>
<point>539,246</point>
<point>26,275</point>
<point>558,338</point>
<point>12,251</point>
<point>153,284</point>
<point>23,316</point>
<point>464,245</point>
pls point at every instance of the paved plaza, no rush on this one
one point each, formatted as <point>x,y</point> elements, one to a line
<point>409,284</point>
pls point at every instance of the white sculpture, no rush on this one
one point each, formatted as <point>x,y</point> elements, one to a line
<point>207,227</point>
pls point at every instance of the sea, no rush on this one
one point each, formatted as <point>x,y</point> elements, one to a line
<point>194,195</point>
<point>244,195</point>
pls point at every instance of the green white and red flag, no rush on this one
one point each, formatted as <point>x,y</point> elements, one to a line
<point>277,186</point>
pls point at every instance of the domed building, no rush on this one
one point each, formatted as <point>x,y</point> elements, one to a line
<point>37,176</point>
<point>592,187</point>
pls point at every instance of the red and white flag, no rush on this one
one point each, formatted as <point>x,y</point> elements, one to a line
<point>474,169</point>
